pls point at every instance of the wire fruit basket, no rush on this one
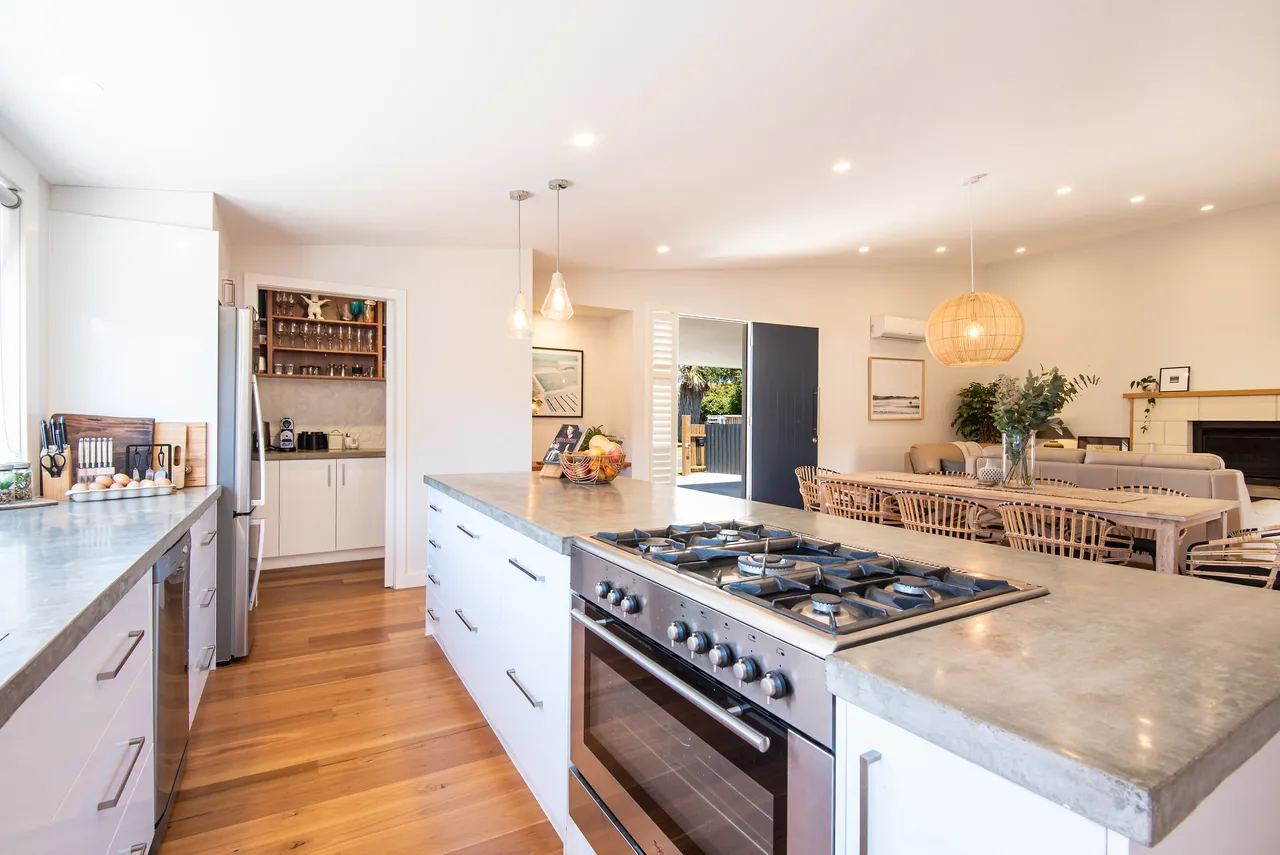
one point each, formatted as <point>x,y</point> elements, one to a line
<point>584,468</point>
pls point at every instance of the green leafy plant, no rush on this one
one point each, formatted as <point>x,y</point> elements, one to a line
<point>1150,385</point>
<point>975,416</point>
<point>693,385</point>
<point>724,394</point>
<point>1025,405</point>
<point>592,432</point>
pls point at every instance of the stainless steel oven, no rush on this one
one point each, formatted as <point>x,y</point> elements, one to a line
<point>670,761</point>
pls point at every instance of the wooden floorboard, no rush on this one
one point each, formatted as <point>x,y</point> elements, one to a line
<point>347,732</point>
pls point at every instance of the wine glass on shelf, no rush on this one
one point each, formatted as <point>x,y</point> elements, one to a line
<point>293,333</point>
<point>280,333</point>
<point>368,341</point>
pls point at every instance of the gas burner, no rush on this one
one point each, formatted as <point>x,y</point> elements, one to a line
<point>825,604</point>
<point>655,545</point>
<point>764,564</point>
<point>913,585</point>
<point>729,535</point>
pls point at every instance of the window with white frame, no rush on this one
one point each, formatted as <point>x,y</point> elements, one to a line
<point>12,338</point>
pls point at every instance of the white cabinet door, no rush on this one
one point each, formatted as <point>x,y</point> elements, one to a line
<point>268,513</point>
<point>308,492</point>
<point>362,499</point>
<point>911,772</point>
<point>202,606</point>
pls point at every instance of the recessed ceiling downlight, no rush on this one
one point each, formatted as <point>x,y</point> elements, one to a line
<point>1021,249</point>
<point>841,166</point>
<point>941,249</point>
<point>663,249</point>
<point>864,249</point>
<point>1206,207</point>
<point>1063,191</point>
<point>586,139</point>
<point>1137,200</point>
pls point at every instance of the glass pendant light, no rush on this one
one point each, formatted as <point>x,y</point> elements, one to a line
<point>977,328</point>
<point>557,305</point>
<point>521,324</point>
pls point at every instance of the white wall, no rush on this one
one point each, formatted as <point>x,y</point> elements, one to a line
<point>838,302</point>
<point>1205,293</point>
<point>194,210</point>
<point>716,344</point>
<point>468,393</point>
<point>605,342</point>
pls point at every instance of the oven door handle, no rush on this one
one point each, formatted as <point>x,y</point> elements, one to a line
<point>748,734</point>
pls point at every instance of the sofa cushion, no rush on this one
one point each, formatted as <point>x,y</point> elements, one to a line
<point>1202,462</point>
<point>928,456</point>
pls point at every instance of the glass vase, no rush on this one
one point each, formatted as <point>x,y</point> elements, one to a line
<point>1018,460</point>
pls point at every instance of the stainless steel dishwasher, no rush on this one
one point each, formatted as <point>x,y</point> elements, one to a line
<point>172,713</point>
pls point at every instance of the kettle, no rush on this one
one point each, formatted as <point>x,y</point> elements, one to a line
<point>351,443</point>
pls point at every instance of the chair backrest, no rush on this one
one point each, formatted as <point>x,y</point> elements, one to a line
<point>935,514</point>
<point>858,502</point>
<point>1061,531</point>
<point>1252,559</point>
<point>1056,482</point>
<point>808,477</point>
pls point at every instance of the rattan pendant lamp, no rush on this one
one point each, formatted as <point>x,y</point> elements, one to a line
<point>977,328</point>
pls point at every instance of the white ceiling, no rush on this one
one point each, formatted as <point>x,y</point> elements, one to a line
<point>718,121</point>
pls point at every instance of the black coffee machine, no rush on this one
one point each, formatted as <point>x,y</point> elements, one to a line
<point>286,441</point>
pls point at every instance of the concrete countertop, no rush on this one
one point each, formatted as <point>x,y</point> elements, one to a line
<point>63,568</point>
<point>325,455</point>
<point>1124,694</point>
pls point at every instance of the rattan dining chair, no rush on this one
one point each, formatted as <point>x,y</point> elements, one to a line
<point>948,516</point>
<point>1144,539</point>
<point>1061,531</point>
<point>810,492</point>
<point>1055,482</point>
<point>1251,559</point>
<point>860,502</point>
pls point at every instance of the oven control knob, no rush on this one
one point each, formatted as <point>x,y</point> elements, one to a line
<point>678,632</point>
<point>630,604</point>
<point>698,642</point>
<point>775,686</point>
<point>721,656</point>
<point>616,596</point>
<point>602,590</point>
<point>745,670</point>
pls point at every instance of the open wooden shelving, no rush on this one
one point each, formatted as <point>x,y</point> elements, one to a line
<point>269,343</point>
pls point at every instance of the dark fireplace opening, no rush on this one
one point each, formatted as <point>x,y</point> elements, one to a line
<point>1251,447</point>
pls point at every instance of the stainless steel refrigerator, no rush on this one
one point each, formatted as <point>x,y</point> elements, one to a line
<point>239,419</point>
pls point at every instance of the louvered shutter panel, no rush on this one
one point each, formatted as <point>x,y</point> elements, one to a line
<point>664,394</point>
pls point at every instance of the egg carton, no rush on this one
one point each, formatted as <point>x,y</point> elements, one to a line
<point>120,493</point>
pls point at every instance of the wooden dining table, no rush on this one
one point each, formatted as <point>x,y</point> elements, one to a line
<point>1165,515</point>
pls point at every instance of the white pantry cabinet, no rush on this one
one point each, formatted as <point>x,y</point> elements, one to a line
<point>202,606</point>
<point>498,604</point>
<point>318,506</point>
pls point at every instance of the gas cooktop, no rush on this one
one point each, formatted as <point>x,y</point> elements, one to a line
<point>827,586</point>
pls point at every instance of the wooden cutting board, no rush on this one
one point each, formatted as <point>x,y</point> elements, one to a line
<point>197,454</point>
<point>175,434</point>
<point>123,431</point>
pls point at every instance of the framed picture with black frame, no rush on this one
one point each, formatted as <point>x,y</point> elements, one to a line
<point>557,383</point>
<point>1177,379</point>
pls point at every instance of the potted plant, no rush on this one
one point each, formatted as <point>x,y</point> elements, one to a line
<point>975,416</point>
<point>1021,407</point>
<point>1150,385</point>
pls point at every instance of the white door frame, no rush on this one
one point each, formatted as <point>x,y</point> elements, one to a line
<point>395,573</point>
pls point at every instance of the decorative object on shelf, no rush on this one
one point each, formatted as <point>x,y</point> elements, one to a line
<point>557,383</point>
<point>371,311</point>
<point>357,309</point>
<point>566,439</point>
<point>975,416</point>
<point>1103,443</point>
<point>314,306</point>
<point>344,312</point>
<point>1022,407</point>
<point>557,306</point>
<point>990,475</point>
<point>1151,386</point>
<point>521,323</point>
<point>1175,379</point>
<point>895,389</point>
<point>978,328</point>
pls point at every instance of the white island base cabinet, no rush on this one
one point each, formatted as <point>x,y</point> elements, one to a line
<point>498,605</point>
<point>902,771</point>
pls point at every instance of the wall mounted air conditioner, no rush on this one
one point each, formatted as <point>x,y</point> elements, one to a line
<point>904,329</point>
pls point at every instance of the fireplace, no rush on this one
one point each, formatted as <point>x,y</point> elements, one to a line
<point>1251,447</point>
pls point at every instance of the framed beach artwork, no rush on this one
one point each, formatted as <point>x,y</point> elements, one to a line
<point>895,389</point>
<point>557,383</point>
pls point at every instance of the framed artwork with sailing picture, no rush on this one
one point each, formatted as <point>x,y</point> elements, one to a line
<point>895,389</point>
<point>557,383</point>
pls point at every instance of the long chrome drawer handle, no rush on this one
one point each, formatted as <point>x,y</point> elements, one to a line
<point>433,543</point>
<point>136,635</point>
<point>744,731</point>
<point>138,849</point>
<point>136,743</point>
<point>208,597</point>
<point>432,614</point>
<point>435,508</point>
<point>434,580</point>
<point>208,537</point>
<point>208,662</point>
<point>534,576</point>
<point>864,810</point>
<point>533,702</point>
<point>464,620</point>
<point>463,529</point>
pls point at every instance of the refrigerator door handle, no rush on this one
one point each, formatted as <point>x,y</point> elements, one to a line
<point>262,448</point>
<point>257,570</point>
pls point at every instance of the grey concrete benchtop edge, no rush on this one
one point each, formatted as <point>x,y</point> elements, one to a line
<point>561,543</point>
<point>27,678</point>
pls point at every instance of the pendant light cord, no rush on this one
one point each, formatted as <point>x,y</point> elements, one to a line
<point>557,230</point>
<point>519,227</point>
<point>973,287</point>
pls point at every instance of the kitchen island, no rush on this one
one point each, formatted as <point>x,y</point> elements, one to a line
<point>1125,697</point>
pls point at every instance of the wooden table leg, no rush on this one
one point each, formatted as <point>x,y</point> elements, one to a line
<point>1216,529</point>
<point>1166,546</point>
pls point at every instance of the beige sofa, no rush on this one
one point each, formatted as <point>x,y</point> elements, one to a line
<point>928,456</point>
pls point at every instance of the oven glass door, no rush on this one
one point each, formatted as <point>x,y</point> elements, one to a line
<point>678,779</point>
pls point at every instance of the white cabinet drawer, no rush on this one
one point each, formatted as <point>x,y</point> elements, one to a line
<point>204,547</point>
<point>88,818</point>
<point>55,730</point>
<point>201,639</point>
<point>138,824</point>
